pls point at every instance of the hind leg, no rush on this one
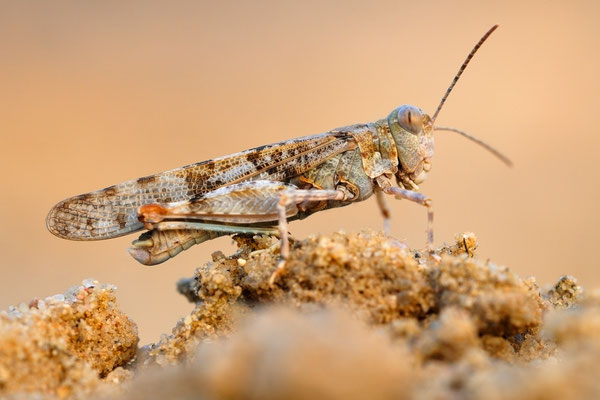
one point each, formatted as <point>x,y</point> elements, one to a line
<point>296,197</point>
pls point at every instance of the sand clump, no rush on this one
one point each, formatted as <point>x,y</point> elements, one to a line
<point>354,316</point>
<point>63,345</point>
<point>375,278</point>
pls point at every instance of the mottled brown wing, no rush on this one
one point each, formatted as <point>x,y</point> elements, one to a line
<point>112,212</point>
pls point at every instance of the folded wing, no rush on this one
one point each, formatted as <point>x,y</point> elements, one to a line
<point>113,211</point>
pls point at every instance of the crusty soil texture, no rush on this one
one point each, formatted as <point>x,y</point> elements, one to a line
<point>354,316</point>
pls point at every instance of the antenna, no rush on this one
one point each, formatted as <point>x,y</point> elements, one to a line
<point>462,68</point>
<point>480,142</point>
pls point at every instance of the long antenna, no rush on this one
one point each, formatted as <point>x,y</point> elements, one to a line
<point>480,142</point>
<point>462,68</point>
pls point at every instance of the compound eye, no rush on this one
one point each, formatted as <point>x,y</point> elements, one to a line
<point>411,119</point>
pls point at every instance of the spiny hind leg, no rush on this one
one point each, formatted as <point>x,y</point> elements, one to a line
<point>236,208</point>
<point>155,246</point>
<point>296,197</point>
<point>239,208</point>
<point>170,238</point>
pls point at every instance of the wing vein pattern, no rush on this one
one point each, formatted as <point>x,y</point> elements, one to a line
<point>112,212</point>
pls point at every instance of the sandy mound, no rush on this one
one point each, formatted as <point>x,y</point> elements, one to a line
<point>354,316</point>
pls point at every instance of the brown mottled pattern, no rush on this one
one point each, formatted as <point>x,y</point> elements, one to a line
<point>359,178</point>
<point>121,220</point>
<point>146,180</point>
<point>377,149</point>
<point>324,175</point>
<point>344,168</point>
<point>112,211</point>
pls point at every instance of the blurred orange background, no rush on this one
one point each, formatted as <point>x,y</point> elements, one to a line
<point>95,93</point>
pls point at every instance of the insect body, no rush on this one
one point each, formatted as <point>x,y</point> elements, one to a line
<point>259,190</point>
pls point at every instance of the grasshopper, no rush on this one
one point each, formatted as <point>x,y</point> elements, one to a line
<point>258,191</point>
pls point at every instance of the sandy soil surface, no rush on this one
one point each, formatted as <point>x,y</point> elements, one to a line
<point>354,316</point>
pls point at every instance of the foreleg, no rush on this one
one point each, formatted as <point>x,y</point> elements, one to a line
<point>418,198</point>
